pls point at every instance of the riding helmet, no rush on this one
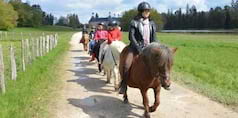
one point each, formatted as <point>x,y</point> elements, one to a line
<point>101,23</point>
<point>143,6</point>
<point>113,23</point>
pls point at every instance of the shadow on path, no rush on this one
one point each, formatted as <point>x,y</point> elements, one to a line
<point>98,106</point>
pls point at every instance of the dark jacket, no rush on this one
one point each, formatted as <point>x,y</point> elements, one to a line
<point>135,34</point>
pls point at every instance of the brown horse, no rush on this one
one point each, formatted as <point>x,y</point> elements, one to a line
<point>85,40</point>
<point>151,69</point>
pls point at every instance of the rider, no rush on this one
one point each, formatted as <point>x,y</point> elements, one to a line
<point>92,41</point>
<point>113,33</point>
<point>142,32</point>
<point>100,36</point>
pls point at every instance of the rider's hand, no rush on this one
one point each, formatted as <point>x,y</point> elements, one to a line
<point>139,50</point>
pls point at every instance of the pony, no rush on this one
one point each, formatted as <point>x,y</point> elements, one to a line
<point>85,40</point>
<point>109,56</point>
<point>150,69</point>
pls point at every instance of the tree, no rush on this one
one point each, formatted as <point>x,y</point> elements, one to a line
<point>73,21</point>
<point>37,16</point>
<point>8,16</point>
<point>157,18</point>
<point>227,24</point>
<point>24,13</point>
<point>234,13</point>
<point>126,18</point>
<point>28,16</point>
<point>48,19</point>
<point>63,21</point>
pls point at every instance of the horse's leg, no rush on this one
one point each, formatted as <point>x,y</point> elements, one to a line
<point>125,97</point>
<point>145,102</point>
<point>108,71</point>
<point>116,78</point>
<point>157,99</point>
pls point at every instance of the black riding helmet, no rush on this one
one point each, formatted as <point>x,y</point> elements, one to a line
<point>112,23</point>
<point>143,6</point>
<point>101,23</point>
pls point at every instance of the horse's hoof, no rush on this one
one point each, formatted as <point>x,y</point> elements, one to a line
<point>151,109</point>
<point>147,115</point>
<point>116,89</point>
<point>167,88</point>
<point>126,101</point>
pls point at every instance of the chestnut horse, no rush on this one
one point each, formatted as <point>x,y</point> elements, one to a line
<point>85,40</point>
<point>150,69</point>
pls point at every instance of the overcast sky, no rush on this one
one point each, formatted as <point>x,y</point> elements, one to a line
<point>84,8</point>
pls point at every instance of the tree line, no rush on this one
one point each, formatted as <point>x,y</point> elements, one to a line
<point>71,20</point>
<point>15,13</point>
<point>215,18</point>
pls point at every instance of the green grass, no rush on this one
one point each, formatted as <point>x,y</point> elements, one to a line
<point>207,63</point>
<point>28,96</point>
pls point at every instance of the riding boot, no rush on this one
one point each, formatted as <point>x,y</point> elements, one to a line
<point>123,85</point>
<point>93,57</point>
<point>99,68</point>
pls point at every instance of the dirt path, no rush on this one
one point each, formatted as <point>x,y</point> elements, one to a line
<point>86,95</point>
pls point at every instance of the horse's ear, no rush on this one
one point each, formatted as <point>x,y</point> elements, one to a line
<point>173,50</point>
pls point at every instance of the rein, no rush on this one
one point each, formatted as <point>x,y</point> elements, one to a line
<point>114,58</point>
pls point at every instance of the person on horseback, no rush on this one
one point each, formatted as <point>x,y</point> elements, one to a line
<point>100,36</point>
<point>114,34</point>
<point>142,31</point>
<point>92,41</point>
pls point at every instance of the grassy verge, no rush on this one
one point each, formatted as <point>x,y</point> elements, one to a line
<point>207,63</point>
<point>27,97</point>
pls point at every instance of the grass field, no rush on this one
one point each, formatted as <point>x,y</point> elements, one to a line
<point>207,63</point>
<point>27,97</point>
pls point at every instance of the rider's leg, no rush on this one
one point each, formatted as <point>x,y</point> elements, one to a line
<point>94,52</point>
<point>126,69</point>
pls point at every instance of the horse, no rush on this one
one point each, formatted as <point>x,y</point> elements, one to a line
<point>109,56</point>
<point>85,40</point>
<point>150,69</point>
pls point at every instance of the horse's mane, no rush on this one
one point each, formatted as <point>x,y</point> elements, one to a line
<point>157,55</point>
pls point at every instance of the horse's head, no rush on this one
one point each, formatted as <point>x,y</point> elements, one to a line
<point>159,59</point>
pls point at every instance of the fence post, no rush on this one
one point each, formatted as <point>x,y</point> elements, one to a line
<point>33,51</point>
<point>6,35</point>
<point>47,44</point>
<point>37,48</point>
<point>50,42</point>
<point>41,54</point>
<point>13,63</point>
<point>2,81</point>
<point>1,35</point>
<point>56,40</point>
<point>23,55</point>
<point>43,49</point>
<point>28,53</point>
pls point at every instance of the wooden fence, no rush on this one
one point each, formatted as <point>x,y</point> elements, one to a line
<point>31,48</point>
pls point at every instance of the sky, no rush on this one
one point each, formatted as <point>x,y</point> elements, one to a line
<point>84,8</point>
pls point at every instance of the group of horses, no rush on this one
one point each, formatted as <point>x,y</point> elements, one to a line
<point>150,69</point>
